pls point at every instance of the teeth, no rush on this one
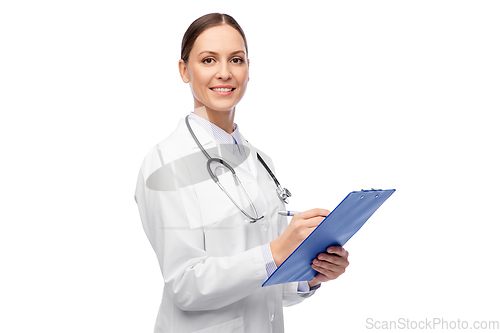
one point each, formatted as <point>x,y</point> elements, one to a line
<point>222,89</point>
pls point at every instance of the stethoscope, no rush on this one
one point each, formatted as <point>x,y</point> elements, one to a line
<point>283,193</point>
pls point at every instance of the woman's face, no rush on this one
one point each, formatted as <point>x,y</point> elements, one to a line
<point>217,69</point>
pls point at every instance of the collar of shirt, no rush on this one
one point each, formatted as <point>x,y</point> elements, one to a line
<point>219,134</point>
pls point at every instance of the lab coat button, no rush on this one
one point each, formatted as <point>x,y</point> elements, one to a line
<point>272,317</point>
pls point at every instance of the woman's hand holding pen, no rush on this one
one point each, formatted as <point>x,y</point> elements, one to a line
<point>329,265</point>
<point>300,227</point>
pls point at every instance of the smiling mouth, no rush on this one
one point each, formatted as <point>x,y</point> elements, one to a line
<point>222,89</point>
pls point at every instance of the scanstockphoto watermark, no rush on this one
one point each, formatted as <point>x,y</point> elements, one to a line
<point>431,324</point>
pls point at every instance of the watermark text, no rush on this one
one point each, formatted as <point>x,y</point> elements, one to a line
<point>431,324</point>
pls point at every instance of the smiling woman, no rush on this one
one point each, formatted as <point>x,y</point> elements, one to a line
<point>216,248</point>
<point>216,67</point>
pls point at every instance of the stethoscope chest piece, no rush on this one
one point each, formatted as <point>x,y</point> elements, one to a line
<point>283,194</point>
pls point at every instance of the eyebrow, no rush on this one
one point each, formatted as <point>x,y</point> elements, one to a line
<point>215,53</point>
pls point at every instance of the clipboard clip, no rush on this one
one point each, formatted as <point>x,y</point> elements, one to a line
<point>376,196</point>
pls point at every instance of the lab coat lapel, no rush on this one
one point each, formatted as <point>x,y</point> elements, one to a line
<point>206,139</point>
<point>253,162</point>
<point>207,193</point>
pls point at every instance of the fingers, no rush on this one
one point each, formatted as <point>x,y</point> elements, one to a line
<point>313,222</point>
<point>304,228</point>
<point>338,250</point>
<point>318,279</point>
<point>330,261</point>
<point>332,264</point>
<point>310,218</point>
<point>299,222</point>
<point>313,213</point>
<point>325,275</point>
<point>336,255</point>
<point>330,269</point>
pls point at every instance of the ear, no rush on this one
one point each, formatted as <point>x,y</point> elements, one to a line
<point>248,62</point>
<point>183,71</point>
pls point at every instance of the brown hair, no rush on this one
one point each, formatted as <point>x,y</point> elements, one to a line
<point>203,23</point>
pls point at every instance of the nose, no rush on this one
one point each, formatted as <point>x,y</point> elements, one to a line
<point>224,73</point>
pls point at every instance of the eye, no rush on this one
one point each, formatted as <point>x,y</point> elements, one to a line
<point>208,61</point>
<point>237,60</point>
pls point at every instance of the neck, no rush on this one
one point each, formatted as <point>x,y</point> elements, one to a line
<point>223,119</point>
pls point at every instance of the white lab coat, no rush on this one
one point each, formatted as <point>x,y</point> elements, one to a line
<point>209,253</point>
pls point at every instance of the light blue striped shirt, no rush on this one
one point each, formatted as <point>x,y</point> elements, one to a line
<point>228,140</point>
<point>220,135</point>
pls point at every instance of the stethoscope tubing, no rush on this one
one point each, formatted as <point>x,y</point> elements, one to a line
<point>214,177</point>
<point>282,193</point>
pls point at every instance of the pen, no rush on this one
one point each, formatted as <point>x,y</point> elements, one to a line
<point>288,212</point>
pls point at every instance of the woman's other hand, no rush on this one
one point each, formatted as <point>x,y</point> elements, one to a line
<point>329,265</point>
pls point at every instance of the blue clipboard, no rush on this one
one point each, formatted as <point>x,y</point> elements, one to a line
<point>336,229</point>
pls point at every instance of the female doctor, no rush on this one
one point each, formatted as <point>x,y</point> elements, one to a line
<point>209,206</point>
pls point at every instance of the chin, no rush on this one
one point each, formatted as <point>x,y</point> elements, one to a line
<point>222,107</point>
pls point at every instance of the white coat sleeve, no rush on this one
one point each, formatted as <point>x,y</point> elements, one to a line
<point>193,280</point>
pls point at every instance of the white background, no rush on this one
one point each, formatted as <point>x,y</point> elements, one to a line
<point>343,95</point>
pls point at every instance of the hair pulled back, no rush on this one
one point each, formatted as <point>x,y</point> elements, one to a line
<point>203,23</point>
